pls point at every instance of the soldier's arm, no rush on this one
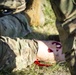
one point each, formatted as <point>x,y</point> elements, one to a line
<point>18,53</point>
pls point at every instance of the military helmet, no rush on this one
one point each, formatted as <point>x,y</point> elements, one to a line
<point>16,5</point>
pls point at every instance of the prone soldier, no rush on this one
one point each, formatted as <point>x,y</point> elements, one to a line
<point>15,51</point>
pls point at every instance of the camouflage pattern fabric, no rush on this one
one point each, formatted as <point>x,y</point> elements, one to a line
<point>71,61</point>
<point>65,12</point>
<point>16,5</point>
<point>17,54</point>
<point>15,25</point>
<point>64,9</point>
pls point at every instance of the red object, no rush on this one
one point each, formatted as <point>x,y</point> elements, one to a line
<point>40,64</point>
<point>50,50</point>
<point>37,62</point>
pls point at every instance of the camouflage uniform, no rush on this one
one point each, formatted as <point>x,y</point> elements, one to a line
<point>65,12</point>
<point>15,53</point>
<point>13,22</point>
<point>15,5</point>
<point>15,25</point>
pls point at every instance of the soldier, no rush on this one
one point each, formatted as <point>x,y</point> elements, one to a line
<point>17,54</point>
<point>15,51</point>
<point>13,22</point>
<point>65,12</point>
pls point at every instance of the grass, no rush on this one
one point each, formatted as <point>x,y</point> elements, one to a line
<point>36,70</point>
<point>42,32</point>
